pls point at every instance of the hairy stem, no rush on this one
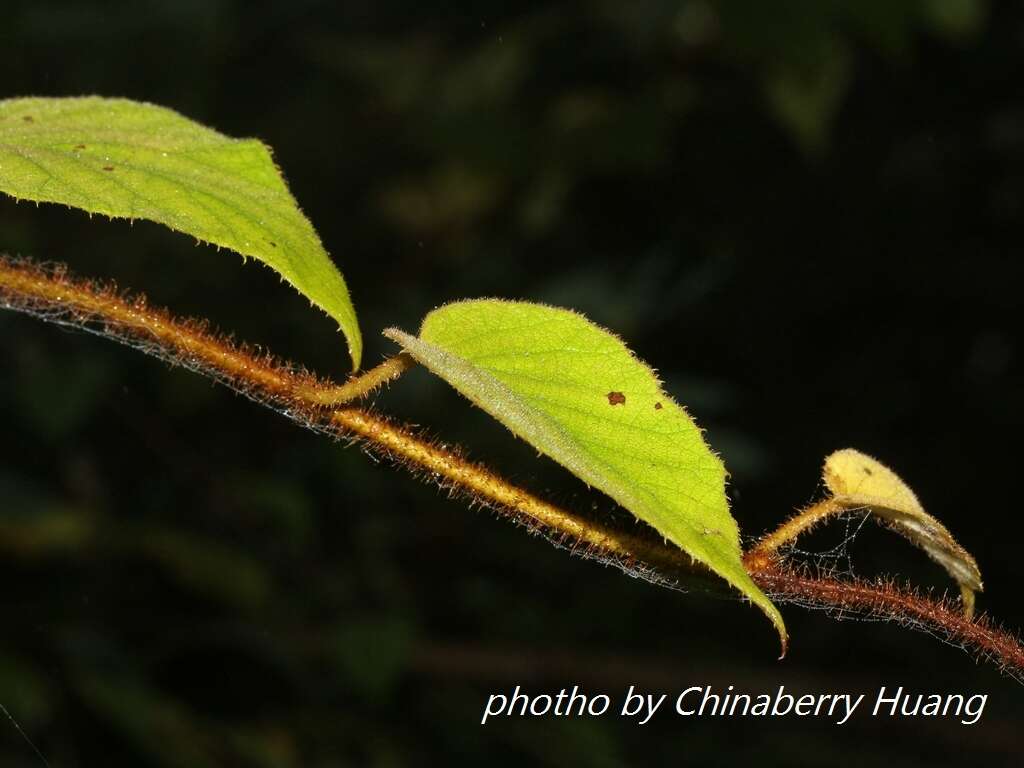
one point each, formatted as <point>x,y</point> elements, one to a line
<point>902,605</point>
<point>48,293</point>
<point>585,537</point>
<point>362,385</point>
<point>766,550</point>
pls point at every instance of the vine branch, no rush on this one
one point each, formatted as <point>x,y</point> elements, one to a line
<point>47,292</point>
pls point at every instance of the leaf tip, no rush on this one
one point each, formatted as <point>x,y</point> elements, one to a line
<point>775,617</point>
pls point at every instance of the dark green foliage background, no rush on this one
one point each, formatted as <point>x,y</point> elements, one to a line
<point>808,215</point>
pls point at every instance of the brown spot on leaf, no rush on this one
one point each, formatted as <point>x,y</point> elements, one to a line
<point>108,167</point>
<point>79,146</point>
<point>867,471</point>
<point>616,398</point>
<point>28,119</point>
<point>657,406</point>
<point>272,243</point>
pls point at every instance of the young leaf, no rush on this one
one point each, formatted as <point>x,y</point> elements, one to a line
<point>131,160</point>
<point>858,481</point>
<point>576,393</point>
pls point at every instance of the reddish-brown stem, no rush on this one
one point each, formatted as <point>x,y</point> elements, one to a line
<point>905,606</point>
<point>50,294</point>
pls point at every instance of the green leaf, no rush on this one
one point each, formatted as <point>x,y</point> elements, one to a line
<point>576,393</point>
<point>126,159</point>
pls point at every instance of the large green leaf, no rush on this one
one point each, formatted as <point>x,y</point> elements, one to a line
<point>139,161</point>
<point>576,393</point>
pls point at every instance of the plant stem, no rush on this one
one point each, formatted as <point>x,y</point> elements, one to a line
<point>765,551</point>
<point>452,471</point>
<point>48,293</point>
<point>360,386</point>
<point>905,606</point>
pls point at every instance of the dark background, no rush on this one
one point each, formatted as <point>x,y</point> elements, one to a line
<point>807,215</point>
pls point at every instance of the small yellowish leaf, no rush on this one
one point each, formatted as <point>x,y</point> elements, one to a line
<point>858,481</point>
<point>126,159</point>
<point>576,393</point>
